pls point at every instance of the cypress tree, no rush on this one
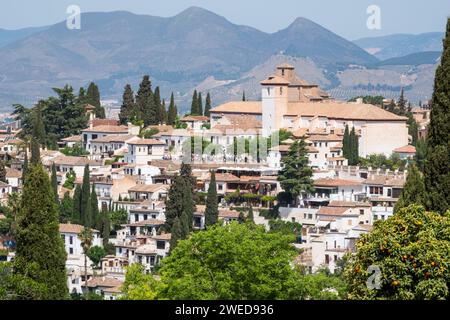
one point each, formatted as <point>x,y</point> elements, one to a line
<point>413,191</point>
<point>174,203</point>
<point>437,173</point>
<point>81,99</point>
<point>401,104</point>
<point>207,104</point>
<point>35,151</point>
<point>85,210</point>
<point>3,172</point>
<point>40,255</point>
<point>77,205</point>
<point>145,102</point>
<point>346,143</point>
<point>25,166</point>
<point>66,209</point>
<point>163,112</point>
<point>200,104</point>
<point>243,95</point>
<point>175,233</point>
<point>95,215</point>
<point>105,226</point>
<point>194,104</point>
<point>157,105</point>
<point>172,113</point>
<point>212,205</point>
<point>93,98</point>
<point>353,153</point>
<point>128,107</point>
<point>38,124</point>
<point>54,181</point>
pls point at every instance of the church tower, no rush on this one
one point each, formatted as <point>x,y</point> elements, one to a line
<point>274,103</point>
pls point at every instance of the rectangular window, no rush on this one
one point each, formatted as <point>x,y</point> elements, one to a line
<point>361,211</point>
<point>70,250</point>
<point>71,240</point>
<point>160,245</point>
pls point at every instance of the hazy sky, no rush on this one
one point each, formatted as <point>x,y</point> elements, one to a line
<point>344,17</point>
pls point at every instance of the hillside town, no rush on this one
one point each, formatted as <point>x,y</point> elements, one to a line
<point>238,149</point>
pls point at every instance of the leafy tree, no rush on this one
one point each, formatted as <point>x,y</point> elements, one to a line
<point>207,105</point>
<point>93,98</point>
<point>413,191</point>
<point>172,112</point>
<point>150,133</point>
<point>128,108</point>
<point>286,227</point>
<point>70,180</point>
<point>96,254</point>
<point>118,218</point>
<point>212,205</point>
<point>437,173</point>
<point>236,261</point>
<point>38,233</point>
<point>76,150</point>
<point>412,250</point>
<point>138,285</point>
<point>296,176</point>
<point>66,209</point>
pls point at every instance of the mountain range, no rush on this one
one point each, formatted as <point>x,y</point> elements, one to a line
<point>193,49</point>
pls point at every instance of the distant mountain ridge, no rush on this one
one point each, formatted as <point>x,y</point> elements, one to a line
<point>10,36</point>
<point>178,52</point>
<point>397,45</point>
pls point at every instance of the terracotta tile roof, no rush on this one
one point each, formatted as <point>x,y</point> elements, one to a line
<point>238,122</point>
<point>76,138</point>
<point>140,141</point>
<point>406,149</point>
<point>338,110</point>
<point>75,161</point>
<point>103,282</point>
<point>224,177</point>
<point>72,228</point>
<point>332,211</point>
<point>348,204</point>
<point>195,118</point>
<point>13,173</point>
<point>327,182</point>
<point>107,129</point>
<point>223,213</point>
<point>328,137</point>
<point>252,107</point>
<point>146,249</point>
<point>149,187</point>
<point>275,80</point>
<point>163,236</point>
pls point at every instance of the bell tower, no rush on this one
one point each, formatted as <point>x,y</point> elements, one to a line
<point>274,103</point>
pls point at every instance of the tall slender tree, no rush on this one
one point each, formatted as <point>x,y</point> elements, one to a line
<point>54,181</point>
<point>212,205</point>
<point>194,104</point>
<point>40,254</point>
<point>437,173</point>
<point>163,112</point>
<point>346,143</point>
<point>95,214</point>
<point>207,104</point>
<point>199,104</point>
<point>243,96</point>
<point>93,98</point>
<point>157,105</point>
<point>25,165</point>
<point>66,209</point>
<point>175,233</point>
<point>35,151</point>
<point>3,172</point>
<point>76,218</point>
<point>85,209</point>
<point>172,113</point>
<point>145,102</point>
<point>128,109</point>
<point>354,148</point>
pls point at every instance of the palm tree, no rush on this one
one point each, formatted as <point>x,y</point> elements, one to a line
<point>86,238</point>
